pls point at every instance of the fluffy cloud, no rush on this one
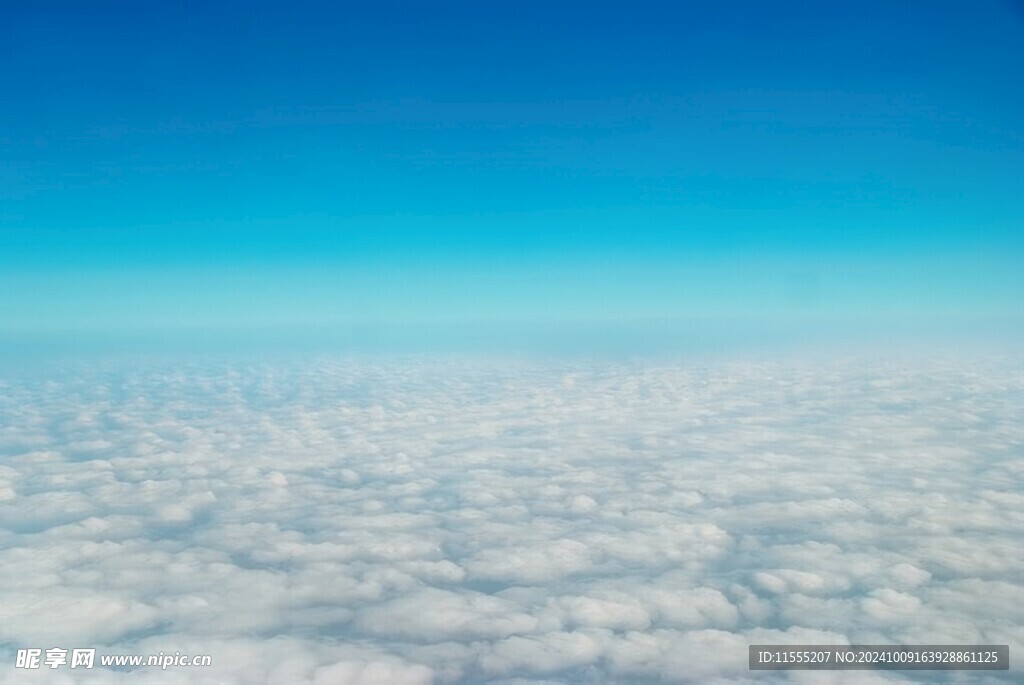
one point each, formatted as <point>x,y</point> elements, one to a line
<point>363,521</point>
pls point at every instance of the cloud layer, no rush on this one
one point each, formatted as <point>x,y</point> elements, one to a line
<point>357,521</point>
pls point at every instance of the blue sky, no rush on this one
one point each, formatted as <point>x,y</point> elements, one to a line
<point>255,165</point>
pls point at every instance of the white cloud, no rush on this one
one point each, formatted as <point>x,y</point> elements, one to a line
<point>373,673</point>
<point>544,653</point>
<point>432,614</point>
<point>459,521</point>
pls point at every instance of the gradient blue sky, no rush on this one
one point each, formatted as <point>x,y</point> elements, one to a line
<point>181,165</point>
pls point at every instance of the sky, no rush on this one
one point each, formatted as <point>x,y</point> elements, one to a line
<point>171,166</point>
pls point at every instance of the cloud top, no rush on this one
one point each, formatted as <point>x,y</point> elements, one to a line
<point>457,521</point>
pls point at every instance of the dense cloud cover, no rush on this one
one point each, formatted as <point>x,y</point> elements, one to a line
<point>415,521</point>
